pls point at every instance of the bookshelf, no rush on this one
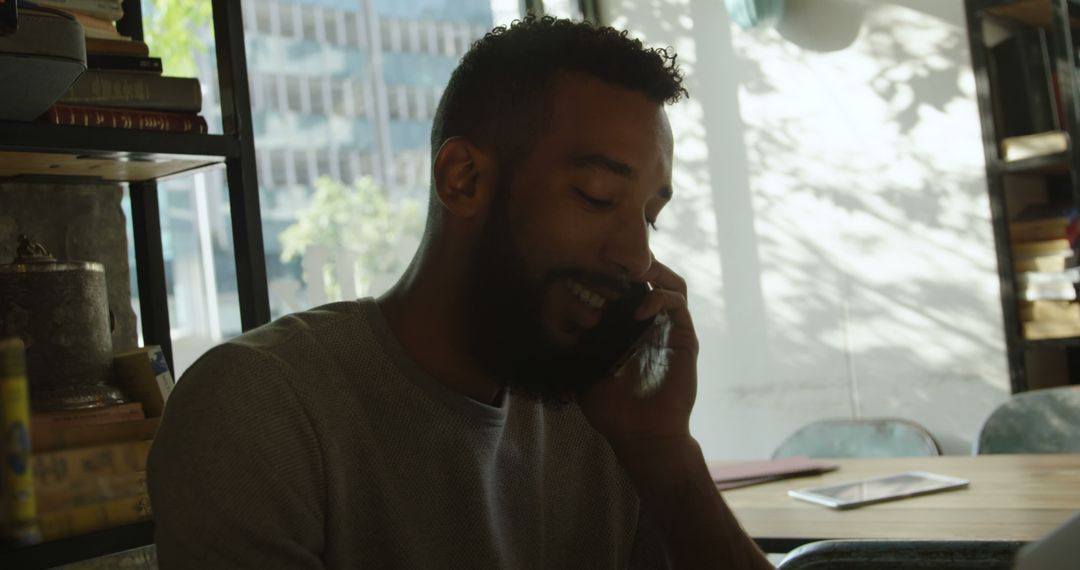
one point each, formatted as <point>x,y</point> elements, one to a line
<point>33,152</point>
<point>1055,22</point>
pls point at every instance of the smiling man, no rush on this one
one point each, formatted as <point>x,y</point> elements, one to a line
<point>476,415</point>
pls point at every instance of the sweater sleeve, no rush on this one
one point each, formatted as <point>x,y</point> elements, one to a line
<point>648,552</point>
<point>235,473</point>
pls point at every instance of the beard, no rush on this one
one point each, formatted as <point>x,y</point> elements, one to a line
<point>507,334</point>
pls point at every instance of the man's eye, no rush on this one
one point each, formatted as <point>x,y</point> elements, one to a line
<point>652,224</point>
<point>595,202</point>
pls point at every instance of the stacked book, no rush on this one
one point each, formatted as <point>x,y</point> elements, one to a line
<point>1043,239</point>
<point>89,466</point>
<point>123,87</point>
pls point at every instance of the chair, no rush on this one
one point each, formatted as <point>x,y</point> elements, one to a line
<point>881,437</point>
<point>1040,421</point>
<point>902,555</point>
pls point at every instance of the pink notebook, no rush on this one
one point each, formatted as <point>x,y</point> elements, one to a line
<point>728,475</point>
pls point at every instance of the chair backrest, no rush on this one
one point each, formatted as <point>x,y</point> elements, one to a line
<point>1040,421</point>
<point>880,437</point>
<point>902,555</point>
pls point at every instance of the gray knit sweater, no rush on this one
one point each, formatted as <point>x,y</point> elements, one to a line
<point>317,442</point>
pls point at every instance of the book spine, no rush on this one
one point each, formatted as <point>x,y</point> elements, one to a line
<point>100,34</point>
<point>53,438</point>
<point>125,119</point>
<point>111,11</point>
<point>135,91</point>
<point>98,416</point>
<point>117,47</point>
<point>124,63</point>
<point>61,466</point>
<point>80,492</point>
<point>87,518</point>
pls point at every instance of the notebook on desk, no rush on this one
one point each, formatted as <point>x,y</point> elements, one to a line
<point>732,475</point>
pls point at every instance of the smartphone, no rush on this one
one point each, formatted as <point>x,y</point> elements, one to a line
<point>619,336</point>
<point>867,491</point>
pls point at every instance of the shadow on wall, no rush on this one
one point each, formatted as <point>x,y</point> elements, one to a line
<point>839,161</point>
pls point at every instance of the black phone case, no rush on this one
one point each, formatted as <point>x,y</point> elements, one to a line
<point>622,333</point>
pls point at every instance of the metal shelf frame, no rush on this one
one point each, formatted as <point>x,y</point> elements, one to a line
<point>236,149</point>
<point>996,168</point>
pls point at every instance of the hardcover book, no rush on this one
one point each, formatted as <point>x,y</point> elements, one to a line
<point>90,490</point>
<point>129,63</point>
<point>1044,222</point>
<point>1049,311</point>
<point>120,47</point>
<point>139,91</point>
<point>40,421</point>
<point>53,438</point>
<point>97,516</point>
<point>103,117</point>
<point>67,465</point>
<point>1036,330</point>
<point>109,10</point>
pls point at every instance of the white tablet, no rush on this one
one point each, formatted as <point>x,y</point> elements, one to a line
<point>858,493</point>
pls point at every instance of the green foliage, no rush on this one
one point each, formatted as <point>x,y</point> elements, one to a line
<point>176,30</point>
<point>361,219</point>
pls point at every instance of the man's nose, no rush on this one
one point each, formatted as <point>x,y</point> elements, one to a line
<point>627,249</point>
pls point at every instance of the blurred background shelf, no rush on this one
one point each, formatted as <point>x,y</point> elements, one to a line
<point>76,548</point>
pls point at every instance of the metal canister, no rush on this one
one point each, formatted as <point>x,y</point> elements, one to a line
<point>18,510</point>
<point>60,310</point>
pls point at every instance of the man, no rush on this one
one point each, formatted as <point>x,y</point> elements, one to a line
<point>449,423</point>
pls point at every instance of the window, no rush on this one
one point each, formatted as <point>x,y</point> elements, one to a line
<point>319,127</point>
<point>288,19</point>
<point>335,23</point>
<point>258,95</point>
<point>311,24</point>
<point>319,95</point>
<point>448,37</point>
<point>412,29</point>
<point>250,18</point>
<point>430,38</point>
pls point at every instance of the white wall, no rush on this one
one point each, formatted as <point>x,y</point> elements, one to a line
<point>831,218</point>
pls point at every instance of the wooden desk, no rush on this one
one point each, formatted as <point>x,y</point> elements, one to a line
<point>1011,497</point>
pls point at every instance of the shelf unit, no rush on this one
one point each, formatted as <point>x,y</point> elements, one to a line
<point>33,152</point>
<point>80,547</point>
<point>1059,19</point>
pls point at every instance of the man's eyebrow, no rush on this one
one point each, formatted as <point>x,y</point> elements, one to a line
<point>604,162</point>
<point>596,160</point>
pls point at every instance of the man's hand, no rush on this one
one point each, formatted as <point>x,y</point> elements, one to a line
<point>616,407</point>
<point>650,435</point>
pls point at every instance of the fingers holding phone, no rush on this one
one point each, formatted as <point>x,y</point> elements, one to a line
<point>653,393</point>
<point>669,296</point>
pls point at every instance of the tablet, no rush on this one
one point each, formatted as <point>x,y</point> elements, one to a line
<point>858,493</point>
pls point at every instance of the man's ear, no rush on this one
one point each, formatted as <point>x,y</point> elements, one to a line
<point>464,175</point>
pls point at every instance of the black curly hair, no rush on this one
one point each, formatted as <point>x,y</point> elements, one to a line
<point>498,96</point>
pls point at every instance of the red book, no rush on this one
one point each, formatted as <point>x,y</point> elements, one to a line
<point>80,116</point>
<point>731,475</point>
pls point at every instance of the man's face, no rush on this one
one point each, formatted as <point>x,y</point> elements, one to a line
<point>567,234</point>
